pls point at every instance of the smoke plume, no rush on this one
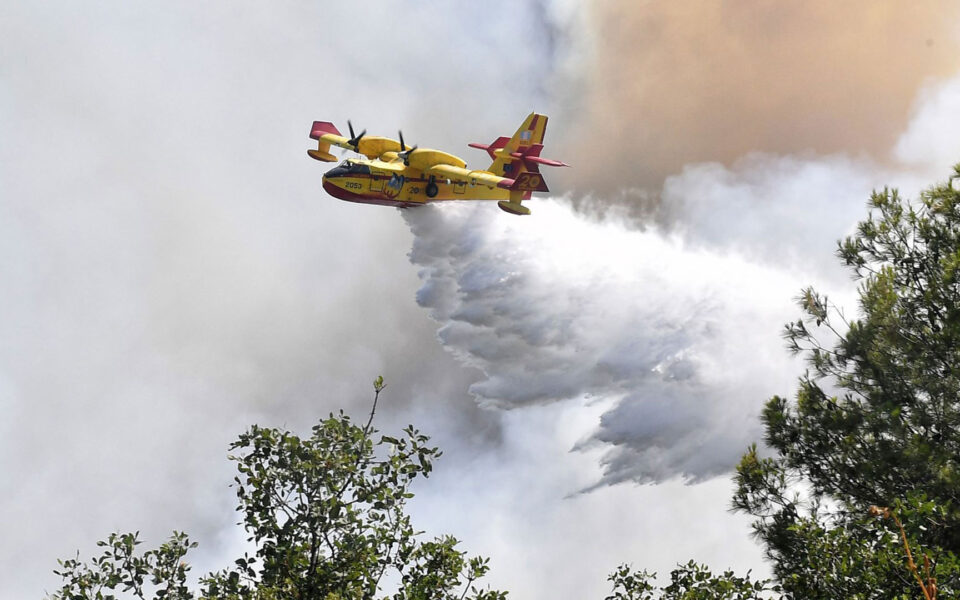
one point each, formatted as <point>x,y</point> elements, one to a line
<point>674,83</point>
<point>676,332</point>
<point>673,327</point>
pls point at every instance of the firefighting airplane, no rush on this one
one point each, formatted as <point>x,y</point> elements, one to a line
<point>395,175</point>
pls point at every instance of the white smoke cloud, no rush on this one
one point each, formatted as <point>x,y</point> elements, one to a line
<point>677,326</point>
<point>171,269</point>
<point>931,143</point>
<point>556,308</point>
<point>783,211</point>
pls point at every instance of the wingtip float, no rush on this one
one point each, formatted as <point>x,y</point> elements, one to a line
<point>393,174</point>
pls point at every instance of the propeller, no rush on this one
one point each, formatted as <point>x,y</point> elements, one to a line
<point>404,153</point>
<point>355,139</point>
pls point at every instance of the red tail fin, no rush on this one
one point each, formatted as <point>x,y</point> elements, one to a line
<point>520,153</point>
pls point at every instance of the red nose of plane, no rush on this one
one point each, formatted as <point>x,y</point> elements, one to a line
<point>334,190</point>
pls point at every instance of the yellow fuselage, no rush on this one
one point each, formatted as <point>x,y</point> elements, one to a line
<point>377,182</point>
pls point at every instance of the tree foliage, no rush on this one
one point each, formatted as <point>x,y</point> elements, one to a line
<point>158,573</point>
<point>876,419</point>
<point>691,581</point>
<point>327,517</point>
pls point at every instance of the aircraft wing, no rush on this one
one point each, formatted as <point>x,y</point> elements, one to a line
<point>336,140</point>
<point>388,165</point>
<point>328,135</point>
<point>455,173</point>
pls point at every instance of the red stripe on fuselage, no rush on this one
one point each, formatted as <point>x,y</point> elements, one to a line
<point>369,198</point>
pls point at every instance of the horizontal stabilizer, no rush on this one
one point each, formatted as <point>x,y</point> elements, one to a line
<point>491,149</point>
<point>545,161</point>
<point>531,158</point>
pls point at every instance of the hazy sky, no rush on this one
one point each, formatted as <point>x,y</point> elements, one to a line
<point>171,270</point>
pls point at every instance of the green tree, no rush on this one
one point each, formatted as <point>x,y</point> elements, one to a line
<point>327,514</point>
<point>691,581</point>
<point>876,419</point>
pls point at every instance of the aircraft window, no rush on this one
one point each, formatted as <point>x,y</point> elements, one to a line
<point>349,167</point>
<point>358,168</point>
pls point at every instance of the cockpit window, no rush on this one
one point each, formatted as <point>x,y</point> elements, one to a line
<point>354,167</point>
<point>348,167</point>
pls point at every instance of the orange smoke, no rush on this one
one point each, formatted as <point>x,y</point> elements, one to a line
<point>680,82</point>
